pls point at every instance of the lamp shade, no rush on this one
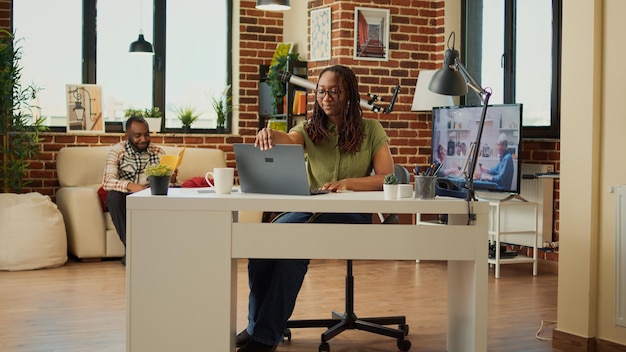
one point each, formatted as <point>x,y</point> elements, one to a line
<point>448,80</point>
<point>140,46</point>
<point>424,99</point>
<point>273,5</point>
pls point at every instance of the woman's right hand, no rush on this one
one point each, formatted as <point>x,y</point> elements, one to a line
<point>264,139</point>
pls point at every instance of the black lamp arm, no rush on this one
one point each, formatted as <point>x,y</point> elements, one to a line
<point>484,95</point>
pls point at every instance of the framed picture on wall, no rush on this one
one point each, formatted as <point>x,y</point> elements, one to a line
<point>84,108</point>
<point>371,34</point>
<point>320,34</point>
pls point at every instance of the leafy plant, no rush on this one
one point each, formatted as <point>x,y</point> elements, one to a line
<point>390,179</point>
<point>222,106</point>
<point>18,133</point>
<point>150,112</point>
<point>187,115</point>
<point>159,170</point>
<point>276,86</point>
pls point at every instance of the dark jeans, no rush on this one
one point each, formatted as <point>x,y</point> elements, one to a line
<point>275,283</point>
<point>116,203</point>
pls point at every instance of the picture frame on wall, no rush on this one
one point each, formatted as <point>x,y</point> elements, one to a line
<point>320,34</point>
<point>84,108</point>
<point>371,34</point>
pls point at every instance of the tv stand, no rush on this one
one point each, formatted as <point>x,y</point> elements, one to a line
<point>508,222</point>
<point>510,196</point>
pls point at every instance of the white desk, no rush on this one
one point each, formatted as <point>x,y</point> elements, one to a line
<point>182,250</point>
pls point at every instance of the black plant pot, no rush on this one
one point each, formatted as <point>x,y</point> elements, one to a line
<point>159,185</point>
<point>186,129</point>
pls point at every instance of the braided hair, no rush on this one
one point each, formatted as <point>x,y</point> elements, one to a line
<point>351,134</point>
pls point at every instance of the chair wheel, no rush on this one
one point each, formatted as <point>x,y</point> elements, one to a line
<point>324,347</point>
<point>405,328</point>
<point>404,345</point>
<point>287,334</point>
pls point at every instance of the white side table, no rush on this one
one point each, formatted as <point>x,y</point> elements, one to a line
<point>511,220</point>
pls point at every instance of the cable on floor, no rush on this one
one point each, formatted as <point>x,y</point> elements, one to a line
<point>543,323</point>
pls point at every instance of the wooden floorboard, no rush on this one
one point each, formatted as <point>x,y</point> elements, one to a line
<point>81,306</point>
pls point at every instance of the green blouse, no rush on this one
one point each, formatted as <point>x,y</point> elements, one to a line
<point>325,163</point>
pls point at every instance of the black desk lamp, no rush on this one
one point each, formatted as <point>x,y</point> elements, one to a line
<point>453,79</point>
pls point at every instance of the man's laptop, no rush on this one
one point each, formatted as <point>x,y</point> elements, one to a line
<point>279,170</point>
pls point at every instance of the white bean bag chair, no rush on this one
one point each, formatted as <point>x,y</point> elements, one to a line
<point>32,232</point>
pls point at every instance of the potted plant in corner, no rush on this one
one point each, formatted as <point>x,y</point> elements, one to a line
<point>159,177</point>
<point>222,106</point>
<point>152,115</point>
<point>187,116</point>
<point>390,186</point>
<point>19,134</point>
<point>277,87</point>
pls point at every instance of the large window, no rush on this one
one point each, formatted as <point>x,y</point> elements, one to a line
<point>513,46</point>
<point>91,39</point>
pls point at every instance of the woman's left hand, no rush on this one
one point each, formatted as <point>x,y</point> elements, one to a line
<point>335,186</point>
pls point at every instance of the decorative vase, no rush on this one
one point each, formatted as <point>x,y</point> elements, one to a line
<point>390,191</point>
<point>159,185</point>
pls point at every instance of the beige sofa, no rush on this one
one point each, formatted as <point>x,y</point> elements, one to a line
<point>90,232</point>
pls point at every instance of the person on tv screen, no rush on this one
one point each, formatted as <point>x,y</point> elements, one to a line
<point>441,154</point>
<point>502,173</point>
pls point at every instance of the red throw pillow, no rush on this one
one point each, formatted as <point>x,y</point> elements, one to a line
<point>102,194</point>
<point>195,182</point>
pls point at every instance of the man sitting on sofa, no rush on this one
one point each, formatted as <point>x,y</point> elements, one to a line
<point>124,171</point>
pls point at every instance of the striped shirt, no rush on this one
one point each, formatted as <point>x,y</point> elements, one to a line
<point>125,165</point>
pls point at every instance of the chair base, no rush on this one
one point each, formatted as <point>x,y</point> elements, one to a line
<point>341,322</point>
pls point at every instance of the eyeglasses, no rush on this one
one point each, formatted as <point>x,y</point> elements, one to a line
<point>321,93</point>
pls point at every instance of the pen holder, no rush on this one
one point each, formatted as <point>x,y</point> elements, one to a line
<point>425,187</point>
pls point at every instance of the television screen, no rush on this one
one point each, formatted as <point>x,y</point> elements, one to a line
<point>454,136</point>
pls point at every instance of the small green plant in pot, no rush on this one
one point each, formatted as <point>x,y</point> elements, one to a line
<point>390,186</point>
<point>222,106</point>
<point>390,179</point>
<point>159,177</point>
<point>187,116</point>
<point>152,115</point>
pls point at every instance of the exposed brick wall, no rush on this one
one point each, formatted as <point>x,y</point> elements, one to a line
<point>417,43</point>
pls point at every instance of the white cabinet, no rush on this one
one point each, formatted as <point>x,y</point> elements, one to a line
<point>512,219</point>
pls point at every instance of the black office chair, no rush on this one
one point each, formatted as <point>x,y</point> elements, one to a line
<point>348,319</point>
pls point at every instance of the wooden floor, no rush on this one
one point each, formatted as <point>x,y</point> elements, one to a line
<point>81,306</point>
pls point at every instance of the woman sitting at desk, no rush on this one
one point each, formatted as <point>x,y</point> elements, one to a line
<point>342,149</point>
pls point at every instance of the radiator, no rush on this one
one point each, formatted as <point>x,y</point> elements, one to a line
<point>539,190</point>
<point>620,254</point>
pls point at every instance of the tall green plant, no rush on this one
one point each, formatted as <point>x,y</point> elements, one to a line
<point>276,86</point>
<point>18,133</point>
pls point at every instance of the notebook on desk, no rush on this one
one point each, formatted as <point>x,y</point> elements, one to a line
<point>280,170</point>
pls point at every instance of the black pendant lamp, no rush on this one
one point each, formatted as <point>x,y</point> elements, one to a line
<point>140,45</point>
<point>273,5</point>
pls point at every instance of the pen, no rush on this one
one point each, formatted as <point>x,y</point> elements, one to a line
<point>437,169</point>
<point>416,170</point>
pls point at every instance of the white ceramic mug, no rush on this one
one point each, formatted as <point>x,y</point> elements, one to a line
<point>223,179</point>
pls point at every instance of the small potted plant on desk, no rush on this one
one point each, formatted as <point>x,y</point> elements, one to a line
<point>222,106</point>
<point>390,186</point>
<point>187,116</point>
<point>159,177</point>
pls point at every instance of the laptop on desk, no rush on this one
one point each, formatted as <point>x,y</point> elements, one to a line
<point>279,170</point>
